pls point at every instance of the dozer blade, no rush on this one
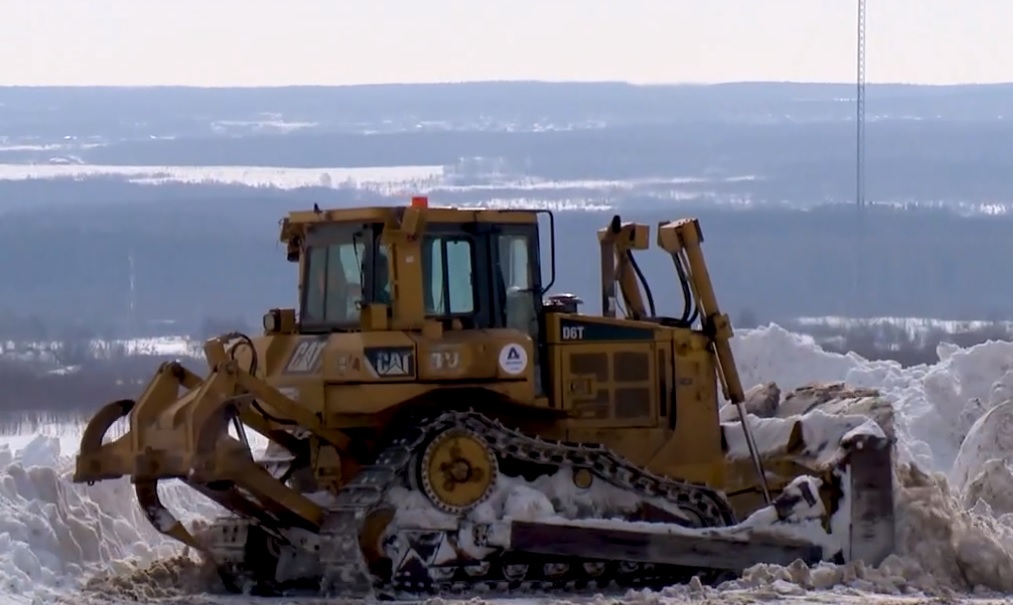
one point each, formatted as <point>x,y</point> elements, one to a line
<point>657,547</point>
<point>873,525</point>
<point>854,459</point>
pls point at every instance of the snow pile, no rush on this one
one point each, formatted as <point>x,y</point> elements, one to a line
<point>821,433</point>
<point>935,405</point>
<point>55,534</point>
<point>990,435</point>
<point>952,423</point>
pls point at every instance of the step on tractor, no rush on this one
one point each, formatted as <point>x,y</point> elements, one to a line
<point>436,421</point>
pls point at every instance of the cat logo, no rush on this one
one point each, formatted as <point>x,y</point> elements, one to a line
<point>391,362</point>
<point>307,357</point>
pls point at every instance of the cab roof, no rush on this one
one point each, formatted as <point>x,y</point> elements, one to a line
<point>296,222</point>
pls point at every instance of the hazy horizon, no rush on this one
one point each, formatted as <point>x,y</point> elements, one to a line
<point>256,43</point>
<point>507,81</point>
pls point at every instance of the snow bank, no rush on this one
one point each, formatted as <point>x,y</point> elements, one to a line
<point>55,534</point>
<point>935,405</point>
<point>955,494</point>
<point>953,422</point>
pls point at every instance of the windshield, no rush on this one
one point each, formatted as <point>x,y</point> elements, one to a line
<point>337,276</point>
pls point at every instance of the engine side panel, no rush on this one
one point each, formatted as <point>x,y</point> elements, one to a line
<point>353,378</point>
<point>645,390</point>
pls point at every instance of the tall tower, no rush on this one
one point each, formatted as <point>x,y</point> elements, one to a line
<point>860,283</point>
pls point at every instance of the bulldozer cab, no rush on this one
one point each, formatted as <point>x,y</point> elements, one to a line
<point>419,269</point>
<point>427,270</point>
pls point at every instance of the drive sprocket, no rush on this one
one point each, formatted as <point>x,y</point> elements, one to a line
<point>457,470</point>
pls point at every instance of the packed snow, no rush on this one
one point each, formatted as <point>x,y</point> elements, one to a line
<point>954,494</point>
<point>552,499</point>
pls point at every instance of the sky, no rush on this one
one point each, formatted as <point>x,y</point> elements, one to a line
<point>328,42</point>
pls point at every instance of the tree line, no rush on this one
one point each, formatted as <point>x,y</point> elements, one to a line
<point>34,395</point>
<point>194,259</point>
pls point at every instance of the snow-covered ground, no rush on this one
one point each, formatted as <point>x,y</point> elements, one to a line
<point>254,176</point>
<point>427,178</point>
<point>40,351</point>
<point>955,528</point>
<point>916,329</point>
<point>400,181</point>
<point>590,195</point>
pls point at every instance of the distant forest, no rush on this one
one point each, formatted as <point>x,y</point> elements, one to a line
<point>924,143</point>
<point>906,160</point>
<point>206,256</point>
<point>184,112</point>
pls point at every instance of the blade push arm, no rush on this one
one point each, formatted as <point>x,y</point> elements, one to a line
<point>682,239</point>
<point>618,241</point>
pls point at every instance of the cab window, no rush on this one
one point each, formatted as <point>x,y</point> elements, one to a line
<point>514,263</point>
<point>447,275</point>
<point>333,279</point>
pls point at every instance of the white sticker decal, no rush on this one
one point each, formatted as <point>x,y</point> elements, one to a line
<point>513,359</point>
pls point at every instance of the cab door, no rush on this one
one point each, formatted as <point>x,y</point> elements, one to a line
<point>517,277</point>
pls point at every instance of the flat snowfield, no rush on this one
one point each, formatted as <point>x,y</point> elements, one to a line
<point>587,195</point>
<point>67,543</point>
<point>262,176</point>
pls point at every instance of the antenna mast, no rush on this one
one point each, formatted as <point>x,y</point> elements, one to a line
<point>860,162</point>
<point>860,111</point>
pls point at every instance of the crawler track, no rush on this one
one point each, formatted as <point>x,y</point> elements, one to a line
<point>254,557</point>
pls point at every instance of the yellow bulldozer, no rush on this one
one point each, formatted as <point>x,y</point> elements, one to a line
<point>436,421</point>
